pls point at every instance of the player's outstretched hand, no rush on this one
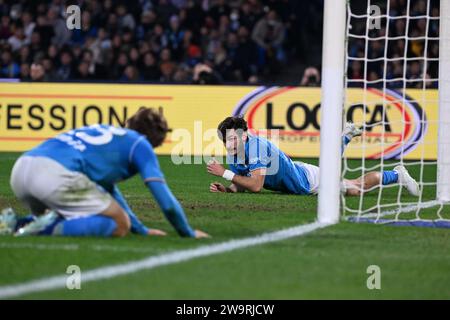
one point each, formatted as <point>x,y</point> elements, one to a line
<point>215,168</point>
<point>200,234</point>
<point>217,187</point>
<point>156,232</point>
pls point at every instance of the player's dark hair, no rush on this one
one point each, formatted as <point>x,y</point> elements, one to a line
<point>151,123</point>
<point>231,123</point>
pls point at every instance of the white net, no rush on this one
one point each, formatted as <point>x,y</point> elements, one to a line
<point>392,64</point>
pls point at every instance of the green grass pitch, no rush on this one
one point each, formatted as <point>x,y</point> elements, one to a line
<point>330,263</point>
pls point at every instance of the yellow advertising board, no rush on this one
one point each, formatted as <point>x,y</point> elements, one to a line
<point>395,125</point>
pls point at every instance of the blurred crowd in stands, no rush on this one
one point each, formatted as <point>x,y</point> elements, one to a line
<point>206,41</point>
<point>411,46</point>
<point>169,41</point>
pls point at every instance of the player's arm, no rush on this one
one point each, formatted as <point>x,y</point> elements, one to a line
<point>136,225</point>
<point>253,183</point>
<point>218,187</point>
<point>235,188</point>
<point>145,161</point>
<point>171,207</point>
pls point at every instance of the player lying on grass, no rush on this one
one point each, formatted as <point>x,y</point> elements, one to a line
<point>256,163</point>
<point>69,181</point>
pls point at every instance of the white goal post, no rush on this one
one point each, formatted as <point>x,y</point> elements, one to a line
<point>333,55</point>
<point>443,171</point>
<point>337,33</point>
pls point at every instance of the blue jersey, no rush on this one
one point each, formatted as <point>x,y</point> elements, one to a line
<point>282,174</point>
<point>107,155</point>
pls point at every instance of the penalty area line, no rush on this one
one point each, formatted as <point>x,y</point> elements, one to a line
<point>151,262</point>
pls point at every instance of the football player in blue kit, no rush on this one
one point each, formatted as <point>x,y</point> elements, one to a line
<point>256,163</point>
<point>69,182</point>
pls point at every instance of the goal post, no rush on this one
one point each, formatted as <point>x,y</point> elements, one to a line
<point>443,162</point>
<point>333,61</point>
<point>386,67</point>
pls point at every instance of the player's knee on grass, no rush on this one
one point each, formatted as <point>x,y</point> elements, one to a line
<point>353,192</point>
<point>358,186</point>
<point>118,214</point>
<point>352,187</point>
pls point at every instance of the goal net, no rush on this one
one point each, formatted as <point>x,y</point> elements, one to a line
<point>397,83</point>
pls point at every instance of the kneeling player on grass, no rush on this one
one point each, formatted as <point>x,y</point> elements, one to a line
<point>69,181</point>
<point>256,163</point>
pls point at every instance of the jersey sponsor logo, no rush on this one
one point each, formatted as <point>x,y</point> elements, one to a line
<point>394,124</point>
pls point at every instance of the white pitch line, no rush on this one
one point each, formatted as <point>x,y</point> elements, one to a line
<point>57,282</point>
